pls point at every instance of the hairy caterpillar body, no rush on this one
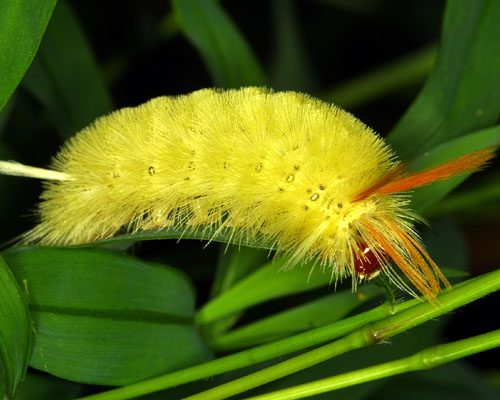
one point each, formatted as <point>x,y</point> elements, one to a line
<point>306,174</point>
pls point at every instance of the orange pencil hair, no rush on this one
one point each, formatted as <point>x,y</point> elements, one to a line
<point>458,166</point>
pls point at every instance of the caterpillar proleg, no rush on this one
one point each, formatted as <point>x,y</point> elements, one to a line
<point>305,174</point>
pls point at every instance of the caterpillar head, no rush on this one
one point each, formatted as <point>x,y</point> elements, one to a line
<point>373,229</point>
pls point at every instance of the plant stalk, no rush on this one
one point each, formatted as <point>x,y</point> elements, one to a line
<point>425,359</point>
<point>372,333</point>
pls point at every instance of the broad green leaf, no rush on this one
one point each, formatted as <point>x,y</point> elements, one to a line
<point>22,24</point>
<point>311,315</point>
<point>65,76</point>
<point>267,283</point>
<point>462,92</point>
<point>222,47</point>
<point>424,197</point>
<point>15,333</point>
<point>476,201</point>
<point>105,318</point>
<point>112,350</point>
<point>46,387</point>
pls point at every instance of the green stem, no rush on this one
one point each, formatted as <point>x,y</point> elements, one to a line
<point>294,320</point>
<point>406,316</point>
<point>383,282</point>
<point>406,71</point>
<point>425,359</point>
<point>369,334</point>
<point>355,340</point>
<point>252,356</point>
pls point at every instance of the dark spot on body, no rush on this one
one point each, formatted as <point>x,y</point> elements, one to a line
<point>306,207</point>
<point>340,205</point>
<point>151,171</point>
<point>321,187</point>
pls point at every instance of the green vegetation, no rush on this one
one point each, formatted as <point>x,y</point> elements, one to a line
<point>156,317</point>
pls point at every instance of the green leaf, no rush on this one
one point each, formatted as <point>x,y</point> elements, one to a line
<point>105,318</point>
<point>291,69</point>
<point>267,283</point>
<point>320,312</point>
<point>424,197</point>
<point>65,77</point>
<point>46,387</point>
<point>222,47</point>
<point>462,93</point>
<point>211,233</point>
<point>108,350</point>
<point>15,332</point>
<point>22,24</point>
<point>234,264</point>
<point>475,201</point>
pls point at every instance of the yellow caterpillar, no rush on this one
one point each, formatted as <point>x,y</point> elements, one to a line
<point>305,174</point>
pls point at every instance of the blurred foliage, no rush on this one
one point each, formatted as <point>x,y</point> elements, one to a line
<point>424,73</point>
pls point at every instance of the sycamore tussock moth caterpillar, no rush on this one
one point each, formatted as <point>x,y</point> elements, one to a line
<point>305,174</point>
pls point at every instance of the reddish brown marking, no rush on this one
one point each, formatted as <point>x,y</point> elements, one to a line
<point>458,166</point>
<point>367,265</point>
<point>394,181</point>
<point>388,177</point>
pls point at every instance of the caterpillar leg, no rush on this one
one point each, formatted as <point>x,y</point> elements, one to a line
<point>382,281</point>
<point>157,221</point>
<point>203,213</point>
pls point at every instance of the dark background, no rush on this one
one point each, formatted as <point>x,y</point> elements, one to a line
<point>143,57</point>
